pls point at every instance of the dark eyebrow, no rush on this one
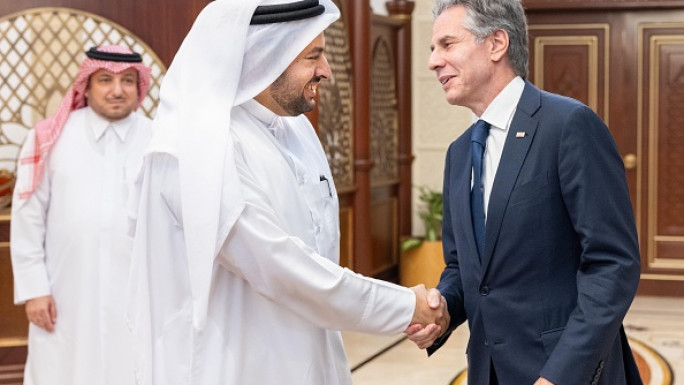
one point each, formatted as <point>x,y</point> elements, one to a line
<point>316,51</point>
<point>442,40</point>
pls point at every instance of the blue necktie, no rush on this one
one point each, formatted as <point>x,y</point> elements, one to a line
<point>478,140</point>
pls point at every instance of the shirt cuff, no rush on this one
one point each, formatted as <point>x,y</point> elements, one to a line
<point>30,283</point>
<point>389,309</point>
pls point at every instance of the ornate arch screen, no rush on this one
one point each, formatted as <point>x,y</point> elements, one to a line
<point>335,125</point>
<point>384,115</point>
<point>40,52</point>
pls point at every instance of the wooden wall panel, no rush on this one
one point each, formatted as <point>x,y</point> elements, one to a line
<point>347,236</point>
<point>572,60</point>
<point>557,5</point>
<point>13,322</point>
<point>384,232</point>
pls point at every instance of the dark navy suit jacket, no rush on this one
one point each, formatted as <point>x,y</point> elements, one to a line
<point>561,260</point>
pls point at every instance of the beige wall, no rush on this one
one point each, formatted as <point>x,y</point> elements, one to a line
<point>435,123</point>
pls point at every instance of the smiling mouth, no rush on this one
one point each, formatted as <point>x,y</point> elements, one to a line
<point>445,80</point>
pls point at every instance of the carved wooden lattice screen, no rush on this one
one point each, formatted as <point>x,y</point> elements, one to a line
<point>336,128</point>
<point>384,115</point>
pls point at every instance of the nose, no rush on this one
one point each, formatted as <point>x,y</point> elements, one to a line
<point>117,87</point>
<point>435,60</point>
<point>323,70</point>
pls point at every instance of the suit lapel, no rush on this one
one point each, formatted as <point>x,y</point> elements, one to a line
<point>512,159</point>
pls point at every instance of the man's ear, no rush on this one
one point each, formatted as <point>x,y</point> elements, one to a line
<point>499,45</point>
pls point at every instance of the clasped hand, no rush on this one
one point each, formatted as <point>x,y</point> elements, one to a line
<point>430,318</point>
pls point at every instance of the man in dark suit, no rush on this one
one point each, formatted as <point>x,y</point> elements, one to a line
<point>539,238</point>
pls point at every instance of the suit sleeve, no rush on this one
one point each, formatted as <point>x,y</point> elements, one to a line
<point>594,190</point>
<point>450,284</point>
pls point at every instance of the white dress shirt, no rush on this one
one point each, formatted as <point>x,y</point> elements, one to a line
<point>499,115</point>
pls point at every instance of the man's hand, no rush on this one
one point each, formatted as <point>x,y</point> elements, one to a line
<point>543,381</point>
<point>42,312</point>
<point>430,319</point>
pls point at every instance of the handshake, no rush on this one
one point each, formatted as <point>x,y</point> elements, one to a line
<point>430,318</point>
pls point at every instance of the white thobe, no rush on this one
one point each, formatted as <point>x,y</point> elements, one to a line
<point>278,296</point>
<point>69,240</point>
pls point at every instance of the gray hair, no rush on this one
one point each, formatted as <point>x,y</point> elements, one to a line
<point>486,16</point>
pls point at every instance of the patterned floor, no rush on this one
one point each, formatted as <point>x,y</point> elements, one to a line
<point>655,327</point>
<point>653,367</point>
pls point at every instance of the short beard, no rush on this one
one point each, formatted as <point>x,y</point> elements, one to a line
<point>288,96</point>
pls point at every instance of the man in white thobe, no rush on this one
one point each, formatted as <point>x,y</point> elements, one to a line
<point>69,244</point>
<point>235,276</point>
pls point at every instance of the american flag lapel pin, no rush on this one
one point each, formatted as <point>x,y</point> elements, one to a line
<point>520,134</point>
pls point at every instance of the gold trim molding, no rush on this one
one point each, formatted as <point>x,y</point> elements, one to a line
<point>656,43</point>
<point>662,277</point>
<point>668,238</point>
<point>653,359</point>
<point>13,342</point>
<point>591,41</point>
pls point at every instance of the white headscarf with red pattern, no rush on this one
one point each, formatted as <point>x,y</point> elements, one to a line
<point>47,131</point>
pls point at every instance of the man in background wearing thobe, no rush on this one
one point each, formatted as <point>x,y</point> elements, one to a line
<point>69,245</point>
<point>235,276</point>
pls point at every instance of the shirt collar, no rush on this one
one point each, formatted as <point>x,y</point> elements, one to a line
<point>262,113</point>
<point>500,111</point>
<point>99,125</point>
